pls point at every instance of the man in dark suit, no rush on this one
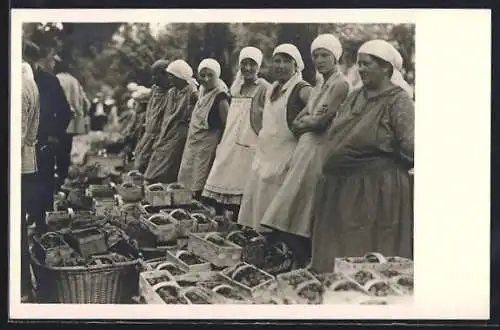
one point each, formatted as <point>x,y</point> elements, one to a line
<point>55,115</point>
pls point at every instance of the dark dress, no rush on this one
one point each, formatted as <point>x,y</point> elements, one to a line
<point>364,195</point>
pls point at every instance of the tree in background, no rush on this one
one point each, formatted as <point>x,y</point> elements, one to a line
<point>107,56</point>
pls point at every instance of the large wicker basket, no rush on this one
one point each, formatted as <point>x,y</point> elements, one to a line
<point>101,284</point>
<point>220,256</point>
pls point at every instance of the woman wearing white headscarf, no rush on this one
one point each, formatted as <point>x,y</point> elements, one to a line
<point>292,209</point>
<point>205,128</point>
<point>285,99</point>
<point>167,150</point>
<point>364,195</point>
<point>234,155</point>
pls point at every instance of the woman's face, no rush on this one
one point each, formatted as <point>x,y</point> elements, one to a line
<point>324,61</point>
<point>249,68</point>
<point>160,78</point>
<point>284,67</point>
<point>207,78</point>
<point>175,81</point>
<point>371,72</point>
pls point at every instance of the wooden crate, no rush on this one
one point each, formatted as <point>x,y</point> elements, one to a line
<point>158,195</point>
<point>203,223</point>
<point>134,177</point>
<point>58,219</point>
<point>186,223</point>
<point>230,274</point>
<point>179,194</point>
<point>148,291</point>
<point>164,232</point>
<point>253,249</point>
<point>104,206</point>
<point>130,192</point>
<point>374,261</point>
<point>100,191</point>
<point>288,290</point>
<point>174,257</point>
<point>88,241</point>
<point>220,256</point>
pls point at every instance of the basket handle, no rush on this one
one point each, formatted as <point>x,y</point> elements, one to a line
<point>381,259</point>
<point>373,282</point>
<point>112,185</point>
<point>157,216</point>
<point>338,283</point>
<point>174,212</point>
<point>165,284</point>
<point>222,286</point>
<point>134,173</point>
<point>164,264</point>
<point>214,234</point>
<point>304,284</point>
<point>175,185</point>
<point>128,185</point>
<point>50,234</point>
<point>231,234</point>
<point>239,269</point>
<point>155,185</point>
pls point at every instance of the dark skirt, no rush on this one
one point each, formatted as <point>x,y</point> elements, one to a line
<point>360,213</point>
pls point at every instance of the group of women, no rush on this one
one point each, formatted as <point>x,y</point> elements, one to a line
<point>324,168</point>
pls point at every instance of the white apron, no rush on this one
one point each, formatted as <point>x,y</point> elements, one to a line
<point>236,150</point>
<point>274,150</point>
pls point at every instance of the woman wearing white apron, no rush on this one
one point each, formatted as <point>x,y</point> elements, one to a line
<point>291,211</point>
<point>234,154</point>
<point>276,142</point>
<point>205,129</point>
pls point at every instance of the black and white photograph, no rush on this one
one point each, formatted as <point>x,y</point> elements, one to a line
<point>217,163</point>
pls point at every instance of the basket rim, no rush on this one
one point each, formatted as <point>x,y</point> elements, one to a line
<point>85,269</point>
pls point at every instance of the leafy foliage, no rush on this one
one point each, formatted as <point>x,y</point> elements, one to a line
<point>107,56</point>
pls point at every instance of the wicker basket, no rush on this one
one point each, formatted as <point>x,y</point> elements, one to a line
<point>128,212</point>
<point>130,192</point>
<point>220,256</point>
<point>243,299</point>
<point>230,274</point>
<point>100,284</point>
<point>253,250</point>
<point>204,266</point>
<point>179,194</point>
<point>404,288</point>
<point>41,252</point>
<point>134,177</point>
<point>157,195</point>
<point>224,225</point>
<point>291,293</point>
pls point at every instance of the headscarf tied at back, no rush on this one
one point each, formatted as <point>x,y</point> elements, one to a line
<point>182,70</point>
<point>385,51</point>
<point>210,63</point>
<point>252,53</point>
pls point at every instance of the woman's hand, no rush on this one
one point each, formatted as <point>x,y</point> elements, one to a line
<point>304,124</point>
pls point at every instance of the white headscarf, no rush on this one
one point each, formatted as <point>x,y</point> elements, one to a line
<point>328,42</point>
<point>210,63</point>
<point>291,50</point>
<point>27,71</point>
<point>385,51</point>
<point>181,70</point>
<point>248,52</point>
